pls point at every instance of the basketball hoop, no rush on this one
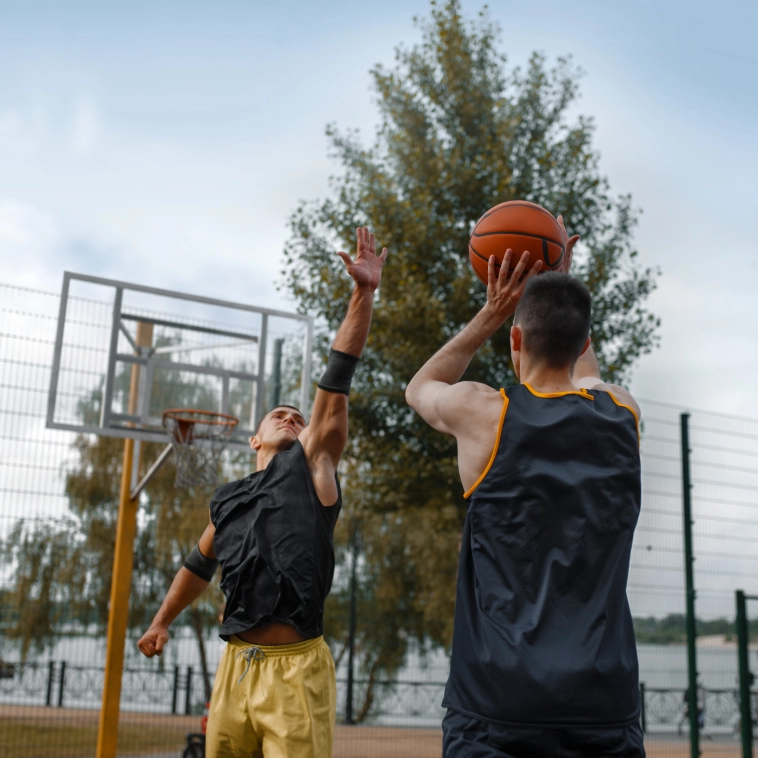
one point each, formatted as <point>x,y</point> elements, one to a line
<point>198,438</point>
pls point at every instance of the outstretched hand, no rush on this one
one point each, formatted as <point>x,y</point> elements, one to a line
<point>504,291</point>
<point>366,269</point>
<point>569,243</point>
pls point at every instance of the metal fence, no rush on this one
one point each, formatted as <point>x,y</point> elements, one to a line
<point>48,703</point>
<point>178,690</point>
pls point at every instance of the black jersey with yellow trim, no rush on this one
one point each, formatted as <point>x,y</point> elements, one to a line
<point>274,541</point>
<point>543,633</point>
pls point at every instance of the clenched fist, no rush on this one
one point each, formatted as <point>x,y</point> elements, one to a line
<point>153,641</point>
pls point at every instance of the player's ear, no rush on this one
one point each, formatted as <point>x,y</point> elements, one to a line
<point>587,343</point>
<point>255,443</point>
<point>516,336</point>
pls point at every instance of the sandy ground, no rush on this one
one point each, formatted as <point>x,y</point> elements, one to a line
<point>350,741</point>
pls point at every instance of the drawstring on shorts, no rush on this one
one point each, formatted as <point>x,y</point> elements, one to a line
<point>250,654</point>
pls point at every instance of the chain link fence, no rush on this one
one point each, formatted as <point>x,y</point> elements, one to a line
<point>51,652</point>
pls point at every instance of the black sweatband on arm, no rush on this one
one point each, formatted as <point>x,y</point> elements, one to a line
<point>339,372</point>
<point>199,565</point>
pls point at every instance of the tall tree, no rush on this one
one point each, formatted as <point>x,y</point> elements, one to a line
<point>458,133</point>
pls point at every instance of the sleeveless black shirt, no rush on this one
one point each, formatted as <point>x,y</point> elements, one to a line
<point>274,541</point>
<point>543,633</point>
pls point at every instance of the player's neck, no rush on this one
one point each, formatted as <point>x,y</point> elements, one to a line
<point>263,458</point>
<point>266,453</point>
<point>545,379</point>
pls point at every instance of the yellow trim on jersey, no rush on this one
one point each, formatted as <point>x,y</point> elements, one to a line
<point>581,392</point>
<point>629,408</point>
<point>494,449</point>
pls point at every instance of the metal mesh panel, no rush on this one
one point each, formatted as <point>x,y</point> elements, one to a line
<point>56,518</point>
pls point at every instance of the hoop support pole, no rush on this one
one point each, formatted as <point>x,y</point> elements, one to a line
<point>121,582</point>
<point>151,472</point>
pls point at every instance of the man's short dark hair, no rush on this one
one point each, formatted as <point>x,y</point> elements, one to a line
<point>281,405</point>
<point>554,316</point>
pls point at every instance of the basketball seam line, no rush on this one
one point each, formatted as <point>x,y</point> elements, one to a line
<point>522,234</point>
<point>497,265</point>
<point>516,204</point>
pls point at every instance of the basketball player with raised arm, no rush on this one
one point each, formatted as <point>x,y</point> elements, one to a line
<point>544,662</point>
<point>275,692</point>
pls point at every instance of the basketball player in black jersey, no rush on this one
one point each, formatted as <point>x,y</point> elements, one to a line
<point>544,662</point>
<point>275,693</point>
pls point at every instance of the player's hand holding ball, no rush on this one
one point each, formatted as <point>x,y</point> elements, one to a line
<point>504,291</point>
<point>520,226</point>
<point>513,242</point>
<point>565,265</point>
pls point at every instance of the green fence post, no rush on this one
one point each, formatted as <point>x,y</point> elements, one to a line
<point>175,692</point>
<point>62,684</point>
<point>50,679</point>
<point>690,589</point>
<point>746,717</point>
<point>188,701</point>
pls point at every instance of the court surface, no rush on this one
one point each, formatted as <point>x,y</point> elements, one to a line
<point>71,733</point>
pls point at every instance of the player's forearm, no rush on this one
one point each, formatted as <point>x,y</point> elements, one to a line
<point>353,333</point>
<point>185,588</point>
<point>449,363</point>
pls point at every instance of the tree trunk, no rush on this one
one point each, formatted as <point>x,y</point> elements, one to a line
<point>368,699</point>
<point>196,620</point>
<point>341,654</point>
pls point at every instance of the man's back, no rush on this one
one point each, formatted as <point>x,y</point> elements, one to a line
<point>543,633</point>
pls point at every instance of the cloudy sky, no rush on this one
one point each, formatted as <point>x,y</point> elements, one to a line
<point>166,143</point>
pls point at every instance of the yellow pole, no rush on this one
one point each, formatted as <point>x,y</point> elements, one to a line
<point>121,580</point>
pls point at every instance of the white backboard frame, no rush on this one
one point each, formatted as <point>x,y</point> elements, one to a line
<point>154,358</point>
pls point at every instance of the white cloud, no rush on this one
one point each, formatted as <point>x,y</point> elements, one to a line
<point>22,128</point>
<point>86,124</point>
<point>37,246</point>
<point>23,227</point>
<point>29,239</point>
<point>10,126</point>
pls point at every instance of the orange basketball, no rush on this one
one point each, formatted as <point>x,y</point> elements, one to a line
<point>520,226</point>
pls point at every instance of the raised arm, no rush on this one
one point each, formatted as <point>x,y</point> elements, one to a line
<point>468,410</point>
<point>325,437</point>
<point>586,374</point>
<point>186,587</point>
<point>434,393</point>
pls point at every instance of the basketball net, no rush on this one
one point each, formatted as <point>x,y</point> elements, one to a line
<point>199,438</point>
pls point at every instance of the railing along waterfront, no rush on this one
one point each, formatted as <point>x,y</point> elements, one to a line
<point>180,690</point>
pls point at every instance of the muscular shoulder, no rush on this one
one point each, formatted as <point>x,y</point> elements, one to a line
<point>471,392</point>
<point>620,395</point>
<point>463,405</point>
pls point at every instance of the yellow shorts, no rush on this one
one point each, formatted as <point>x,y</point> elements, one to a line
<point>273,701</point>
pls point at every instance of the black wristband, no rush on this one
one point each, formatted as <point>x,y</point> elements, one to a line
<point>339,372</point>
<point>199,565</point>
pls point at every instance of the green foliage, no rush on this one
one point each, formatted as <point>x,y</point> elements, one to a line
<point>458,133</point>
<point>672,629</point>
<point>50,575</point>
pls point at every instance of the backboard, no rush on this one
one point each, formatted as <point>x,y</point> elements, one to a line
<point>124,353</point>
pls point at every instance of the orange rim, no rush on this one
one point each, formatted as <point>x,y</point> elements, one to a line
<point>210,417</point>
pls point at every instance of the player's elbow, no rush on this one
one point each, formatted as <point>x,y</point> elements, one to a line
<point>412,394</point>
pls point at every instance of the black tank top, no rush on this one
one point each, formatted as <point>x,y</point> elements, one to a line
<point>274,541</point>
<point>543,633</point>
